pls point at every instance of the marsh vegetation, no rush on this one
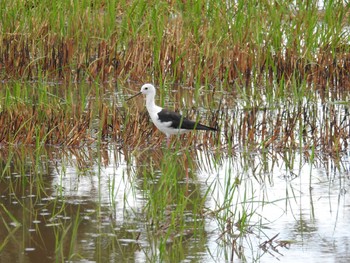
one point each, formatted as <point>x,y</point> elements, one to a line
<point>86,176</point>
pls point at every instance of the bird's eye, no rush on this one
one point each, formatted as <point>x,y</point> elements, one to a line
<point>146,88</point>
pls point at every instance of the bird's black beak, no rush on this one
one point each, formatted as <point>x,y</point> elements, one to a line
<point>134,96</point>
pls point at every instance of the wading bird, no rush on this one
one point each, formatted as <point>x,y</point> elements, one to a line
<point>168,122</point>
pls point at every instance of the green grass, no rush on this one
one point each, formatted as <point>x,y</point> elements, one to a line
<point>193,43</point>
<point>175,205</point>
<point>274,69</point>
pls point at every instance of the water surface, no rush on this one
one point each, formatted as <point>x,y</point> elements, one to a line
<point>97,207</point>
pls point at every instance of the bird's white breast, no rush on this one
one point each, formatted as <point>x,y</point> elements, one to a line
<point>162,126</point>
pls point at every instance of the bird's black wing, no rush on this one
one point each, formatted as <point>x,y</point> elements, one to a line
<point>179,122</point>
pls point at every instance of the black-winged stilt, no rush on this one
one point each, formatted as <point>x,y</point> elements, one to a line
<point>166,121</point>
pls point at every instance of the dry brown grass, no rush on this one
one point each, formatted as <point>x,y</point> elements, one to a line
<point>180,61</point>
<point>239,47</point>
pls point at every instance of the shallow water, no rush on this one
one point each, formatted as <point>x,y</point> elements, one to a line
<point>229,198</point>
<point>96,206</point>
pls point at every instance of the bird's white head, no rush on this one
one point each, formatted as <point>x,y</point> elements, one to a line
<point>150,91</point>
<point>147,89</point>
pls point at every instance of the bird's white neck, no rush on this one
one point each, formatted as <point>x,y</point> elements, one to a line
<point>150,104</point>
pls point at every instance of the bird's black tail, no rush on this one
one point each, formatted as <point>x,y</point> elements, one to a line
<point>204,128</point>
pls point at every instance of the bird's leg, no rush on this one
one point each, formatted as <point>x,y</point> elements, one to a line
<point>168,141</point>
